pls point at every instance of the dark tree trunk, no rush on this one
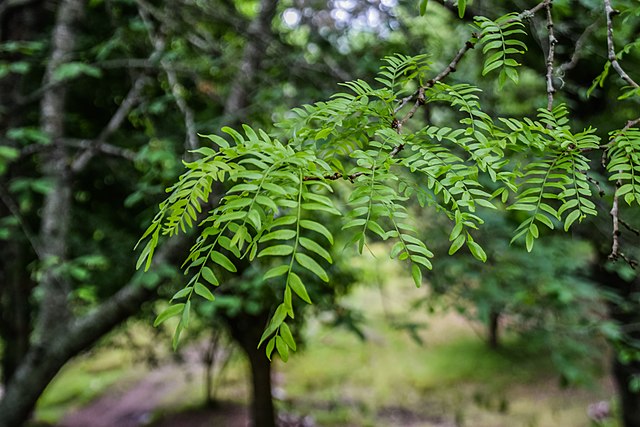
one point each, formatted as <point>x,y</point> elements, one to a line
<point>494,329</point>
<point>42,363</point>
<point>15,310</point>
<point>629,314</point>
<point>246,330</point>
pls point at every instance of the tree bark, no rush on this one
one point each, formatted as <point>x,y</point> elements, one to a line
<point>247,329</point>
<point>15,311</point>
<point>494,329</point>
<point>623,373</point>
<point>56,212</point>
<point>43,362</point>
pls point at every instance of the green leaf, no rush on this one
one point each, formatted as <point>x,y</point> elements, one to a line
<point>270,345</point>
<point>185,314</point>
<point>278,235</point>
<point>207,274</point>
<point>571,218</point>
<point>457,244</point>
<point>167,313</point>
<point>296,284</point>
<point>317,227</point>
<point>529,240</point>
<point>477,251</point>
<point>182,293</point>
<point>275,272</point>
<point>310,264</point>
<point>316,248</point>
<point>204,292</point>
<point>276,250</point>
<point>283,349</point>
<point>416,273</point>
<point>462,5</point>
<point>223,261</point>
<point>286,335</point>
<point>423,6</point>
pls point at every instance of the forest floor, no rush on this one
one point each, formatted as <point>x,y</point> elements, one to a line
<point>450,379</point>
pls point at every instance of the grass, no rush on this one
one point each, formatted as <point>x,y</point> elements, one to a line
<point>81,381</point>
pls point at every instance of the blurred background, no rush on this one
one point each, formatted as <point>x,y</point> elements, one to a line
<point>100,103</point>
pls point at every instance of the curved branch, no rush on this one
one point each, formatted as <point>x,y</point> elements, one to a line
<point>610,13</point>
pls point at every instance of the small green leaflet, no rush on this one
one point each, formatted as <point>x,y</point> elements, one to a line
<point>169,312</point>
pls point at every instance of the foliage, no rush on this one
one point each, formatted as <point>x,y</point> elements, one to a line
<point>536,165</point>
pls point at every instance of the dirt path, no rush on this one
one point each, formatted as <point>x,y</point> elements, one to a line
<point>135,405</point>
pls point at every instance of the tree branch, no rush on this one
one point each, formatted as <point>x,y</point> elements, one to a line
<point>610,13</point>
<point>132,98</point>
<point>550,56</point>
<point>577,51</point>
<point>191,138</point>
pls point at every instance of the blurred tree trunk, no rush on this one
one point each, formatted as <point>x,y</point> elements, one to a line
<point>17,23</point>
<point>627,313</point>
<point>493,338</point>
<point>246,329</point>
<point>42,363</point>
<point>15,310</point>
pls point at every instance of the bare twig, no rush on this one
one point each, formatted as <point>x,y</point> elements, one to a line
<point>615,245</point>
<point>101,147</point>
<point>629,227</point>
<point>550,56</point>
<point>114,124</point>
<point>577,51</point>
<point>610,13</point>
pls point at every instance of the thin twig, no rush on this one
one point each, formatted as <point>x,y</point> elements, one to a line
<point>102,147</point>
<point>550,56</point>
<point>114,124</point>
<point>629,227</point>
<point>615,245</point>
<point>610,13</point>
<point>577,51</point>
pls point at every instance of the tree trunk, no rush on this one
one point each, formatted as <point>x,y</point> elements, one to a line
<point>42,363</point>
<point>623,373</point>
<point>15,310</point>
<point>494,329</point>
<point>629,400</point>
<point>246,329</point>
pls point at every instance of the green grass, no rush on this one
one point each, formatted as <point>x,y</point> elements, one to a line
<point>81,381</point>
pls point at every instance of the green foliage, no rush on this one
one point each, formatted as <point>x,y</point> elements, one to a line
<point>554,187</point>
<point>623,154</point>
<point>499,38</point>
<point>359,142</point>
